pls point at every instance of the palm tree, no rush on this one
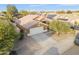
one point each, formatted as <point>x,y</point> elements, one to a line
<point>59,27</point>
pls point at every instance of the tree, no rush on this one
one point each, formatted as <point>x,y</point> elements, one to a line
<point>11,12</point>
<point>61,12</point>
<point>76,23</point>
<point>33,12</point>
<point>23,13</point>
<point>69,12</point>
<point>8,36</point>
<point>59,27</point>
<point>4,12</point>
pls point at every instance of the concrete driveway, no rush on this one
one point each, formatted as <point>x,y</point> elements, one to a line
<point>42,44</point>
<point>73,51</point>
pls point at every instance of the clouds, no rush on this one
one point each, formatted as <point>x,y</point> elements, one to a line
<point>37,5</point>
<point>53,7</point>
<point>68,4</point>
<point>34,5</point>
<point>48,7</point>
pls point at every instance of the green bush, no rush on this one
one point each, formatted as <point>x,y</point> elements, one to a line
<point>59,27</point>
<point>33,12</point>
<point>76,23</point>
<point>23,13</point>
<point>8,35</point>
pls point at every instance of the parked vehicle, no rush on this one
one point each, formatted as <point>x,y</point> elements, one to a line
<point>77,39</point>
<point>75,27</point>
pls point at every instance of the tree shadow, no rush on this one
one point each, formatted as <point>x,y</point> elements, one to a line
<point>27,46</point>
<point>17,21</point>
<point>52,51</point>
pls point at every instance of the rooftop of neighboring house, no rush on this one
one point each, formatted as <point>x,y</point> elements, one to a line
<point>67,17</point>
<point>30,21</point>
<point>27,21</point>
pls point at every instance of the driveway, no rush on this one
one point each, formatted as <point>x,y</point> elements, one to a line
<point>38,44</point>
<point>73,51</point>
<point>43,44</point>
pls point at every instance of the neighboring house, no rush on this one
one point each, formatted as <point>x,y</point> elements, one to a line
<point>71,18</point>
<point>39,23</point>
<point>29,22</point>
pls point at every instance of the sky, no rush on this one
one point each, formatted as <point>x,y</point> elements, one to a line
<point>42,7</point>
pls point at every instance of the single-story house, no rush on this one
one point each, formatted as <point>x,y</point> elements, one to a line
<point>29,22</point>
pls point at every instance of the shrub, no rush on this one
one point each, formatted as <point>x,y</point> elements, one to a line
<point>23,13</point>
<point>59,27</point>
<point>7,36</point>
<point>76,23</point>
<point>69,12</point>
